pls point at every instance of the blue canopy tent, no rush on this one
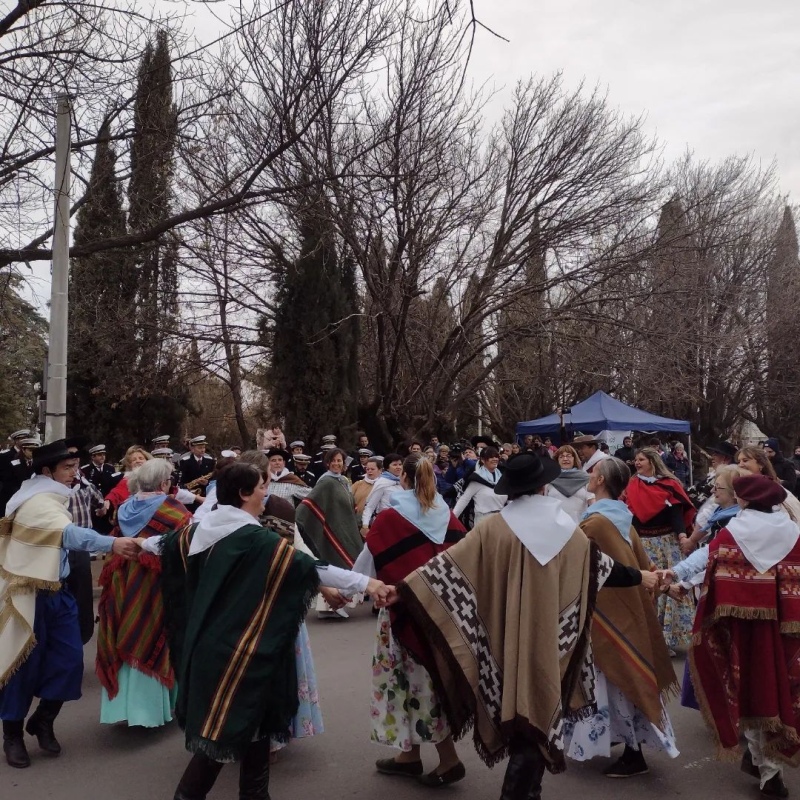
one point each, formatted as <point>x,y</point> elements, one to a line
<point>602,412</point>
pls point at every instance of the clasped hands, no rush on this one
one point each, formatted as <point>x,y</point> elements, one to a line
<point>127,546</point>
<point>382,594</point>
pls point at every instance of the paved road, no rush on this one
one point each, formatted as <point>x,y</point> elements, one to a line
<point>117,763</point>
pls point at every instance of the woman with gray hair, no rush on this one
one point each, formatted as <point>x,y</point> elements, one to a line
<point>133,661</point>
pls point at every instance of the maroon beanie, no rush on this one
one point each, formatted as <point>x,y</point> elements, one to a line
<point>759,490</point>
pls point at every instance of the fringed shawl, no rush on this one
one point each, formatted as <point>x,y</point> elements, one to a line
<point>239,606</point>
<point>131,609</point>
<point>511,651</point>
<point>627,639</point>
<point>30,560</point>
<point>745,656</point>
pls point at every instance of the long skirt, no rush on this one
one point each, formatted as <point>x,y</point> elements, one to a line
<point>308,720</point>
<point>617,720</point>
<point>141,700</point>
<point>404,708</point>
<point>676,616</point>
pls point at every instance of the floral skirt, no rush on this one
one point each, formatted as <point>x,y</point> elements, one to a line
<point>308,720</point>
<point>617,720</point>
<point>404,708</point>
<point>676,616</point>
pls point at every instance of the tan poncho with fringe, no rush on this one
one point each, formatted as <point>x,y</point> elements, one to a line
<point>30,560</point>
<point>510,651</point>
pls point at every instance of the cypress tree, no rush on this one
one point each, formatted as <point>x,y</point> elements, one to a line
<point>313,374</point>
<point>101,291</point>
<point>159,400</point>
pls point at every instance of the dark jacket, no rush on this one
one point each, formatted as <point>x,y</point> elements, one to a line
<point>785,472</point>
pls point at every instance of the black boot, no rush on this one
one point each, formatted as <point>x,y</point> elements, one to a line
<point>40,725</point>
<point>198,778</point>
<point>254,772</point>
<point>14,744</point>
<point>630,764</point>
<point>523,779</point>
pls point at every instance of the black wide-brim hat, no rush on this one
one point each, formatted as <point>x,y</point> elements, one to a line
<point>51,454</point>
<point>278,451</point>
<point>724,449</point>
<point>487,439</point>
<point>525,473</point>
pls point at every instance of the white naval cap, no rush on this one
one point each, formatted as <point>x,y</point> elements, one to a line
<point>161,451</point>
<point>23,433</point>
<point>98,448</point>
<point>198,440</point>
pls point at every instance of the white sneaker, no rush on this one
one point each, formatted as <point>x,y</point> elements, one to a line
<point>342,613</point>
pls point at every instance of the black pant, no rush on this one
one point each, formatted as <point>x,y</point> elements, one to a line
<point>201,774</point>
<point>525,770</point>
<point>79,582</point>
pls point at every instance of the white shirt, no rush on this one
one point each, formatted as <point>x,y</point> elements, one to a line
<point>486,501</point>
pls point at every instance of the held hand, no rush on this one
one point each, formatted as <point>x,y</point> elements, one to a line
<point>198,498</point>
<point>202,481</point>
<point>687,545</point>
<point>649,580</point>
<point>393,597</point>
<point>665,578</point>
<point>379,591</point>
<point>676,592</point>
<point>332,597</point>
<point>126,547</point>
<point>101,512</point>
<point>364,532</point>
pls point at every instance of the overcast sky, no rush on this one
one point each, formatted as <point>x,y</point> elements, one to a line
<point>717,76</point>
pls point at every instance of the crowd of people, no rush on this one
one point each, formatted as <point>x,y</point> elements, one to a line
<point>532,591</point>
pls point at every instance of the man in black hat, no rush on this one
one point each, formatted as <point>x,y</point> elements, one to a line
<point>52,669</point>
<point>15,467</point>
<point>783,468</point>
<point>528,668</point>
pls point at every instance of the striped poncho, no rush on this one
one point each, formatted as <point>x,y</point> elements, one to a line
<point>131,609</point>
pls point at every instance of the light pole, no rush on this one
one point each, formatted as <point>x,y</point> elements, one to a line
<point>56,413</point>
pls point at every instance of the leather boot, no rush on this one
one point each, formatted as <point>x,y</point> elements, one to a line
<point>254,772</point>
<point>198,778</point>
<point>523,779</point>
<point>14,744</point>
<point>40,725</point>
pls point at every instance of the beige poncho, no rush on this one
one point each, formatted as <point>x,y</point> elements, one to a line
<point>510,650</point>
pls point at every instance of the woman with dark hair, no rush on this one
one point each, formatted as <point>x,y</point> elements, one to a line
<point>662,514</point>
<point>633,671</point>
<point>479,487</point>
<point>328,524</point>
<point>405,709</point>
<point>237,593</point>
<point>379,497</point>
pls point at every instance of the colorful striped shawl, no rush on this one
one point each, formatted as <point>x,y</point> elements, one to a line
<point>131,609</point>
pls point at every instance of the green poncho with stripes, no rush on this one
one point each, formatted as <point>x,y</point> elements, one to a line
<point>233,613</point>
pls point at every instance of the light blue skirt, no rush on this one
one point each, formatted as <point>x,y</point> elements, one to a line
<point>141,700</point>
<point>308,720</point>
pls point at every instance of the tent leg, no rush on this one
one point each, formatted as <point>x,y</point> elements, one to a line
<point>691,471</point>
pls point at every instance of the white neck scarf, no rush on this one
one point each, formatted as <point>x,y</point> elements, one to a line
<point>540,524</point>
<point>38,484</point>
<point>765,538</point>
<point>216,525</point>
<point>276,476</point>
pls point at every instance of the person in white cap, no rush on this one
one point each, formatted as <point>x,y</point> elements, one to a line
<point>164,453</point>
<point>159,441</point>
<point>15,467</point>
<point>98,472</point>
<point>300,464</point>
<point>196,466</point>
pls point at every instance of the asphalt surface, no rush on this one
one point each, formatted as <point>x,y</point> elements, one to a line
<point>120,763</point>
